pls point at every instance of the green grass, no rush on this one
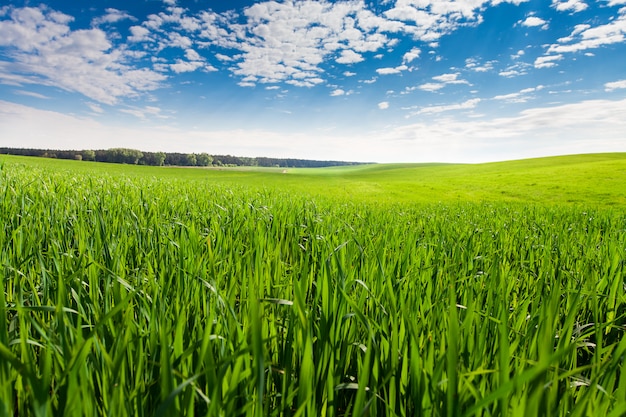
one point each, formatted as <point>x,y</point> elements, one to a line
<point>160,291</point>
<point>597,180</point>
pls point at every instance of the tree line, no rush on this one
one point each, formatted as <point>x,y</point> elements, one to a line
<point>136,157</point>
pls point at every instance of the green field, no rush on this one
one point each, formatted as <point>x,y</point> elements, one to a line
<point>379,290</point>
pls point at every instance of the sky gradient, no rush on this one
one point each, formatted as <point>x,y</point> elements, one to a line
<point>369,81</point>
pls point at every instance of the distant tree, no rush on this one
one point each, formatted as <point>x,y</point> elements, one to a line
<point>124,156</point>
<point>204,160</point>
<point>174,159</point>
<point>78,157</point>
<point>154,158</point>
<point>160,158</point>
<point>190,160</point>
<point>89,155</point>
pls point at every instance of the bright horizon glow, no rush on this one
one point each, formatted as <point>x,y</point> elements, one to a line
<point>388,81</point>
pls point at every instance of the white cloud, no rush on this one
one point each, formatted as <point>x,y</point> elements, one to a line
<point>112,16</point>
<point>144,112</point>
<point>431,86</point>
<point>139,34</point>
<point>429,20</point>
<point>349,57</point>
<point>389,71</point>
<point>509,73</point>
<point>186,66</point>
<point>31,94</point>
<point>585,37</point>
<point>176,40</point>
<point>224,58</point>
<point>383,105</point>
<point>615,85</point>
<point>466,105</point>
<point>547,61</point>
<point>95,107</point>
<point>413,54</point>
<point>573,6</point>
<point>270,41</point>
<point>515,70</point>
<point>515,2</point>
<point>521,96</point>
<point>451,78</point>
<point>349,74</point>
<point>474,65</point>
<point>44,50</point>
<point>534,21</point>
<point>288,42</point>
<point>442,81</point>
<point>192,55</point>
<point>337,92</point>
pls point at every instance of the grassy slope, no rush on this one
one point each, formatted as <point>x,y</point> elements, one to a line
<point>154,296</point>
<point>589,179</point>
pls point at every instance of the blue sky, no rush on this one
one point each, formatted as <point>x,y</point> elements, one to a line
<point>382,81</point>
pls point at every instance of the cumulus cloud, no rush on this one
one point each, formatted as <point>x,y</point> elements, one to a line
<point>186,66</point>
<point>429,20</point>
<point>383,105</point>
<point>534,21</point>
<point>585,36</point>
<point>268,42</point>
<point>349,57</point>
<point>515,70</point>
<point>547,61</point>
<point>112,16</point>
<point>337,92</point>
<point>392,70</point>
<point>521,96</point>
<point>474,64</point>
<point>44,50</point>
<point>573,6</point>
<point>289,42</point>
<point>139,34</point>
<point>431,86</point>
<point>442,81</point>
<point>411,55</point>
<point>452,78</point>
<point>615,85</point>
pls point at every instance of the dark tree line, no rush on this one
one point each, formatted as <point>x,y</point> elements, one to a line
<point>135,157</point>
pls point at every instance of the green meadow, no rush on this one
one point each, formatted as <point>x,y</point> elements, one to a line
<point>375,290</point>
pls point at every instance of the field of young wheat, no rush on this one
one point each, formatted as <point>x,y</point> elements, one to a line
<point>146,295</point>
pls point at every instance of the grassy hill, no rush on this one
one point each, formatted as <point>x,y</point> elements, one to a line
<point>131,290</point>
<point>589,179</point>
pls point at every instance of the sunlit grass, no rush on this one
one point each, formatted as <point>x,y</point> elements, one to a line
<point>592,180</point>
<point>132,292</point>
